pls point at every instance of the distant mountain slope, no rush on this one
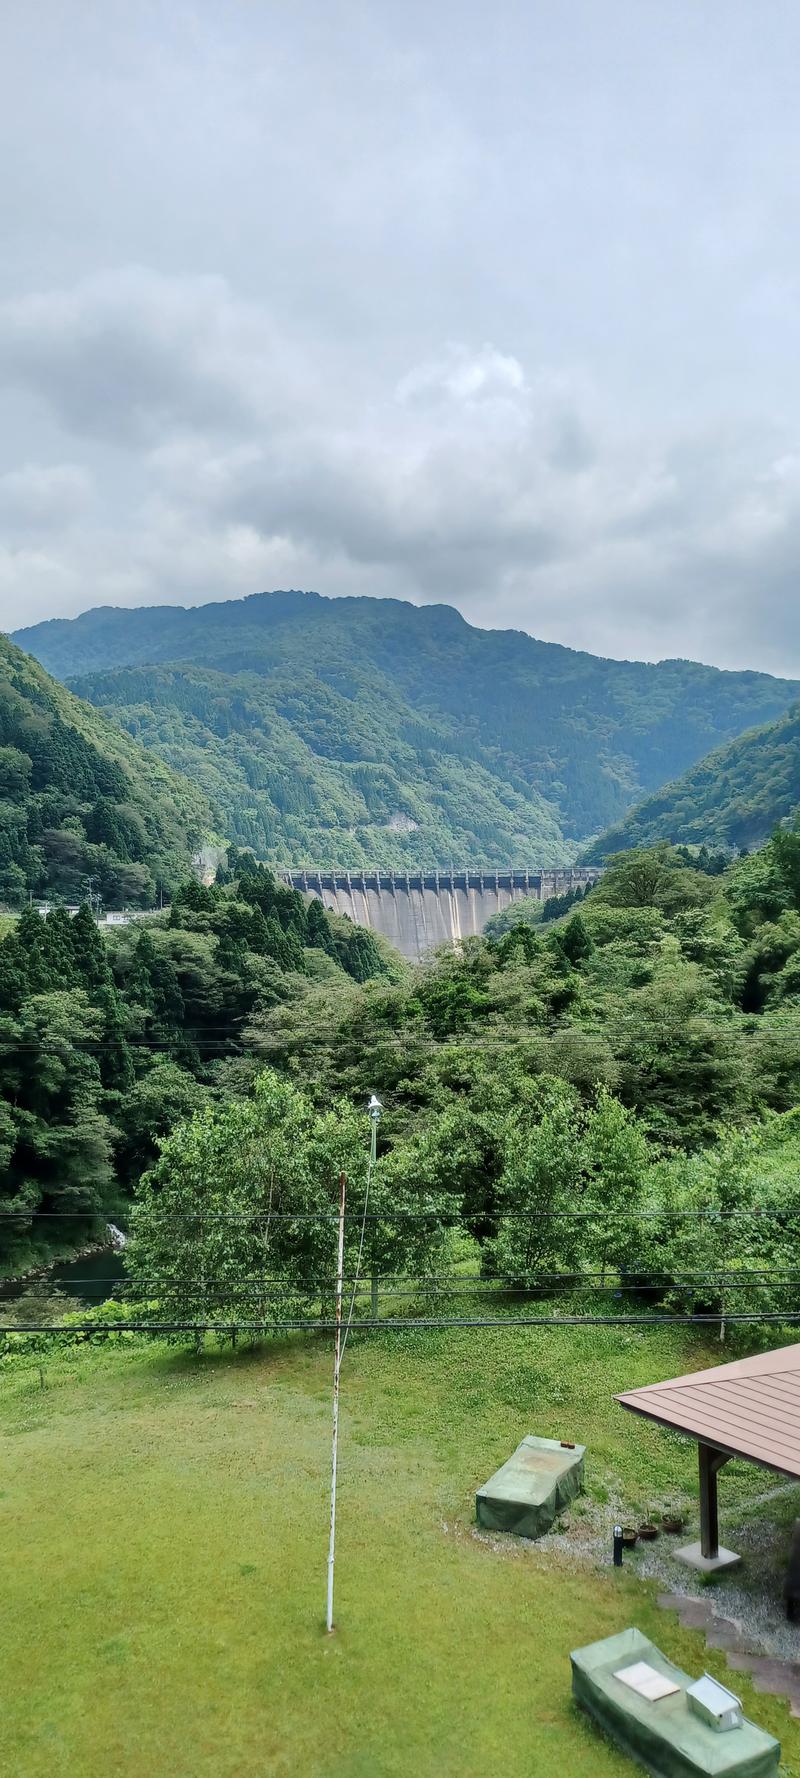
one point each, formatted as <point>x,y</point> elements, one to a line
<point>80,800</point>
<point>735,797</point>
<point>371,732</point>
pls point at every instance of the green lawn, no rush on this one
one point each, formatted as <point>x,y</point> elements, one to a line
<point>163,1537</point>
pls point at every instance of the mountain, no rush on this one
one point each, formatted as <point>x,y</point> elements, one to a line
<point>735,797</point>
<point>80,800</point>
<point>369,732</point>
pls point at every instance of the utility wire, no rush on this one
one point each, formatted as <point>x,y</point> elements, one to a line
<point>403,1325</point>
<point>450,1219</point>
<point>466,1045</point>
<point>398,1283</point>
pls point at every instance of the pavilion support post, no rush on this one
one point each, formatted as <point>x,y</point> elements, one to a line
<point>707,1556</point>
<point>710,1463</point>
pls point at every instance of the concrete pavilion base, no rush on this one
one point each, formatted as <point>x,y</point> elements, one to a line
<point>693,1556</point>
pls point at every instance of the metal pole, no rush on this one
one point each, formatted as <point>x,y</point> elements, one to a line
<point>373,1152</point>
<point>337,1364</point>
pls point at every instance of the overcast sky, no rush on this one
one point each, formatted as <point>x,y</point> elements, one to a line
<point>490,305</point>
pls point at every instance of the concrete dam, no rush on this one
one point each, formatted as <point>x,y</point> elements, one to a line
<point>419,910</point>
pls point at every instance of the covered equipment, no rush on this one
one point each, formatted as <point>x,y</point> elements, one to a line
<point>531,1488</point>
<point>662,1731</point>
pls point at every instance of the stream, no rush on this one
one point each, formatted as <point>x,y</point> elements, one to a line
<point>89,1279</point>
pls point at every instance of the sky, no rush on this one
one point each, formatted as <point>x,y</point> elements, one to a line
<point>490,306</point>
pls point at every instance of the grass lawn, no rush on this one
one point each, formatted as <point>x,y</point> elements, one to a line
<point>163,1538</point>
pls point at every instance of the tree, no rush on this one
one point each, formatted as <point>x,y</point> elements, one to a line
<point>655,876</point>
<point>318,928</point>
<point>237,1219</point>
<point>164,1096</point>
<point>786,853</point>
<point>537,1193</point>
<point>58,1140</point>
<point>617,1163</point>
<point>679,1054</point>
<point>573,940</point>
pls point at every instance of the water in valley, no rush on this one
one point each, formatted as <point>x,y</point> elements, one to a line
<point>90,1278</point>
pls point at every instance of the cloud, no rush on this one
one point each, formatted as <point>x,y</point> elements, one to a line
<point>244,458</point>
<point>374,299</point>
<point>130,355</point>
<point>463,376</point>
<point>45,497</point>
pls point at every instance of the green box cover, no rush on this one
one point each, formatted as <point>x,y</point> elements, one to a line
<point>665,1736</point>
<point>531,1488</point>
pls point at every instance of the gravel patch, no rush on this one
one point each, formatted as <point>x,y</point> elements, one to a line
<point>751,1596</point>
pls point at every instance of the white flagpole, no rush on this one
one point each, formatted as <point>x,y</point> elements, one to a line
<point>337,1364</point>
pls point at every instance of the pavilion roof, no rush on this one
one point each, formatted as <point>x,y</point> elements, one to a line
<point>750,1408</point>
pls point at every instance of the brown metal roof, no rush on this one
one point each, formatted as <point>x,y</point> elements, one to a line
<point>750,1408</point>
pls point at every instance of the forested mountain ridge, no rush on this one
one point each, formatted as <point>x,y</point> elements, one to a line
<point>735,797</point>
<point>372,732</point>
<point>80,800</point>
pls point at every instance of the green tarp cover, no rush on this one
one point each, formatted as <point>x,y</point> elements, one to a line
<point>531,1488</point>
<point>666,1736</point>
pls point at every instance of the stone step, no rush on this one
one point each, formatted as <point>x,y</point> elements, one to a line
<point>777,1678</point>
<point>693,1613</point>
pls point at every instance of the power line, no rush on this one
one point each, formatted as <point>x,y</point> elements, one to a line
<point>403,1325</point>
<point>397,1283</point>
<point>738,1023</point>
<point>450,1220</point>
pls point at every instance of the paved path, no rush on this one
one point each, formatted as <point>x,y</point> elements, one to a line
<point>767,1672</point>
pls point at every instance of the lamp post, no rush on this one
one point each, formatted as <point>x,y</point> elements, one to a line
<point>374,1110</point>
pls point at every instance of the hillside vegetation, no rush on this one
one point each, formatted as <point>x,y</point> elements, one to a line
<point>734,797</point>
<point>589,1102</point>
<point>108,1040</point>
<point>355,732</point>
<point>613,1055</point>
<point>80,802</point>
<point>675,989</point>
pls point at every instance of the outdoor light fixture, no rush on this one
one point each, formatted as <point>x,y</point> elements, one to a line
<point>374,1110</point>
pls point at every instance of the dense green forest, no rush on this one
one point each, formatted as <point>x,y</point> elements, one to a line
<point>609,1095</point>
<point>734,797</point>
<point>80,804</point>
<point>675,987</point>
<point>108,1039</point>
<point>354,732</point>
<point>597,1093</point>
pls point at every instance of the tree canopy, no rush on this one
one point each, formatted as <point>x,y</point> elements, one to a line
<point>369,732</point>
<point>82,807</point>
<point>108,1041</point>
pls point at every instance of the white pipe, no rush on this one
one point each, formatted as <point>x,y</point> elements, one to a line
<point>337,1363</point>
